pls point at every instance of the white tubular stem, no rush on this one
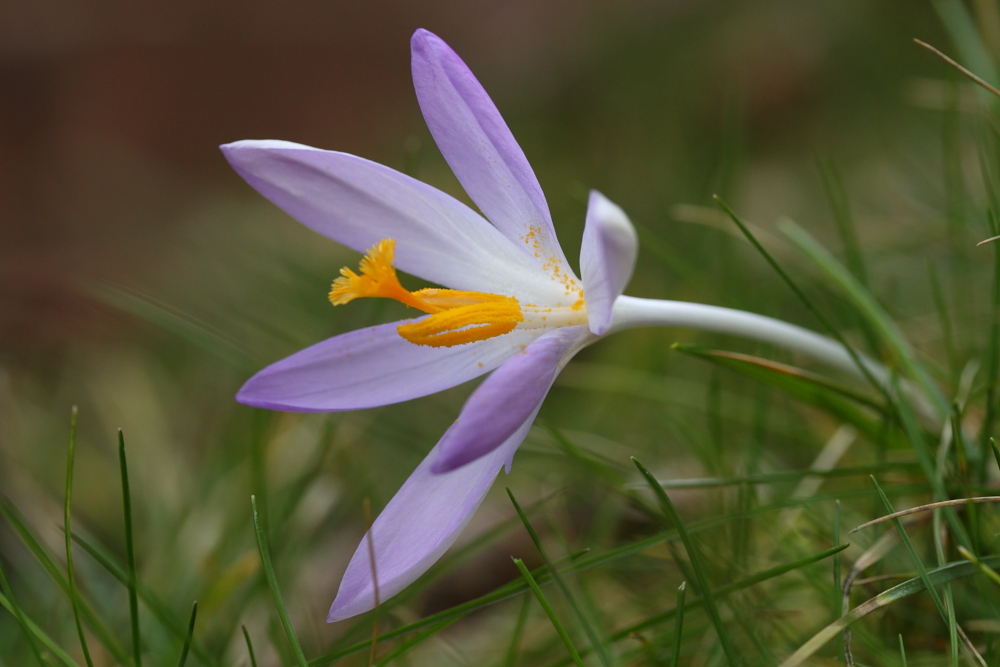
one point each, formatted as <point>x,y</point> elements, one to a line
<point>634,312</point>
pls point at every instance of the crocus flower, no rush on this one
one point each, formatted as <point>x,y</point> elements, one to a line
<point>512,305</point>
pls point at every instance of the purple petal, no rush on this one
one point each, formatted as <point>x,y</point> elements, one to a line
<point>607,258</point>
<point>428,513</point>
<point>358,203</point>
<point>480,149</point>
<point>418,525</point>
<point>500,405</point>
<point>372,367</point>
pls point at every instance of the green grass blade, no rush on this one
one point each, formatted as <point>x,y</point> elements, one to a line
<point>990,573</point>
<point>515,639</point>
<point>19,615</point>
<point>48,563</point>
<point>921,448</point>
<point>246,636</point>
<point>760,368</point>
<point>782,477</point>
<point>694,556</point>
<point>595,641</point>
<point>832,330</point>
<point>508,590</point>
<point>902,651</point>
<point>843,403</point>
<point>40,635</point>
<point>838,599</point>
<point>993,355</point>
<point>160,609</point>
<point>949,605</point>
<point>742,584</point>
<point>272,582</point>
<point>258,466</point>
<point>938,577</point>
<point>133,600</point>
<point>189,636</point>
<point>70,575</point>
<point>675,657</point>
<point>548,611</point>
<point>583,561</point>
<point>877,318</point>
<point>914,556</point>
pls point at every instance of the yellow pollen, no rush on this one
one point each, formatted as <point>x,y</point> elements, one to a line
<point>457,317</point>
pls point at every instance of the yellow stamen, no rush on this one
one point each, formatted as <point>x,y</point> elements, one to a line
<point>457,317</point>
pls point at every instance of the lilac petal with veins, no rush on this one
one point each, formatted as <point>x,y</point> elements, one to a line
<point>480,148</point>
<point>358,203</point>
<point>422,520</point>
<point>372,367</point>
<point>504,400</point>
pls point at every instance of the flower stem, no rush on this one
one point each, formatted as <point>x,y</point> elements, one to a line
<point>632,311</point>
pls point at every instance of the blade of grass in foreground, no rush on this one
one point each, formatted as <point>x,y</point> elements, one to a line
<point>133,601</point>
<point>41,636</point>
<point>675,657</point>
<point>272,582</point>
<point>19,615</point>
<point>70,575</point>
<point>189,636</point>
<point>938,576</point>
<point>993,356</point>
<point>20,526</point>
<point>584,560</point>
<point>742,584</point>
<point>515,638</point>
<point>246,636</point>
<point>548,611</point>
<point>160,610</point>
<point>595,641</point>
<point>694,555</point>
<point>914,556</point>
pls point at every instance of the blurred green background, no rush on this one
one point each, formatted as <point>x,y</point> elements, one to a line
<point>143,281</point>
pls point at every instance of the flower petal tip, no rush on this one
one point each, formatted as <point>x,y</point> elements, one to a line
<point>335,614</point>
<point>607,258</point>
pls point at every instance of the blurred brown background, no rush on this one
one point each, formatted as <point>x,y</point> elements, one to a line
<point>110,112</point>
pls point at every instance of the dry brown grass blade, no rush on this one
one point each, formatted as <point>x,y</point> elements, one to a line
<point>961,69</point>
<point>925,508</point>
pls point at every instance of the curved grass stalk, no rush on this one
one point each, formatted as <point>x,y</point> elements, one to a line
<point>937,577</point>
